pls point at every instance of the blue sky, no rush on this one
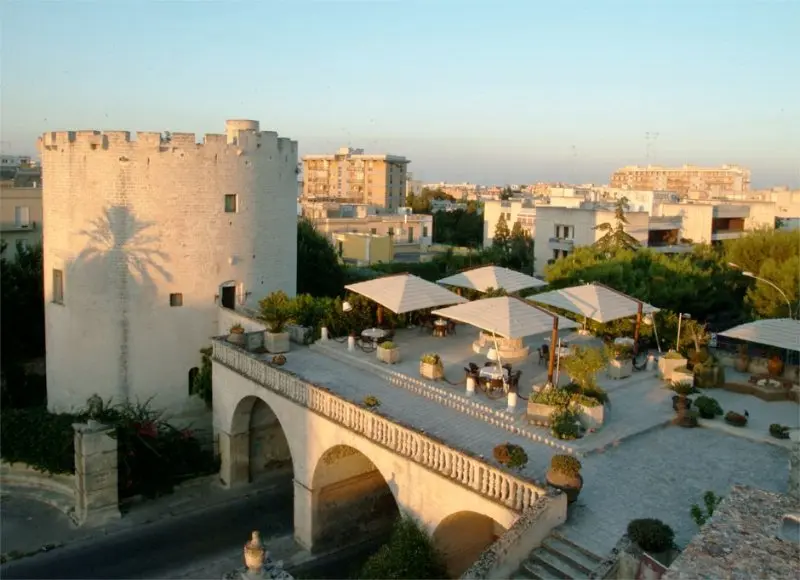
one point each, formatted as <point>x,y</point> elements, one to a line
<point>490,91</point>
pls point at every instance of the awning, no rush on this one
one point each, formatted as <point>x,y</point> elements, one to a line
<point>481,279</point>
<point>593,301</point>
<point>505,316</point>
<point>405,293</point>
<point>777,332</point>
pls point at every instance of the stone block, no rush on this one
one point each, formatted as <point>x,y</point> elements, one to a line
<point>276,342</point>
<point>99,498</point>
<point>98,480</point>
<point>234,452</point>
<point>591,417</point>
<point>620,369</point>
<point>666,367</point>
<point>539,413</point>
<point>100,517</point>
<point>88,464</point>
<point>91,443</point>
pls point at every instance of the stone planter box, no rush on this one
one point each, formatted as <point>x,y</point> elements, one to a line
<point>433,372</point>
<point>620,369</point>
<point>591,417</point>
<point>539,414</point>
<point>276,342</point>
<point>237,338</point>
<point>667,366</point>
<point>299,334</point>
<point>759,366</point>
<point>682,376</point>
<point>388,355</point>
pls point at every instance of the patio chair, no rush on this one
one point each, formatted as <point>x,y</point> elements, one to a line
<point>470,372</point>
<point>513,380</point>
<point>451,327</point>
<point>473,367</point>
<point>544,353</point>
<point>507,366</point>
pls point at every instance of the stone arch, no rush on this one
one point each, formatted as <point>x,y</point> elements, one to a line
<point>227,294</point>
<point>353,501</point>
<point>461,537</point>
<point>258,441</point>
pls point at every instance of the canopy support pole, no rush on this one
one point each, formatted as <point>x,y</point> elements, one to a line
<point>636,330</point>
<point>553,346</point>
<point>379,315</point>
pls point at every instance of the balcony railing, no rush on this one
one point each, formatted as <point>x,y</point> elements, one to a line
<point>436,456</point>
<point>569,241</point>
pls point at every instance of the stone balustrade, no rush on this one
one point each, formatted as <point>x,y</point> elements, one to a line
<point>471,472</point>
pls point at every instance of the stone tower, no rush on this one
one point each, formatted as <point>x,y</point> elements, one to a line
<point>144,240</point>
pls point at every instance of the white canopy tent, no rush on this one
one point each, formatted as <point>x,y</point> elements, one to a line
<point>481,279</point>
<point>595,301</point>
<point>505,316</point>
<point>776,332</point>
<point>405,293</point>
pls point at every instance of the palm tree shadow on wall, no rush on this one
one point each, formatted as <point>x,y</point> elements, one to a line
<point>123,257</point>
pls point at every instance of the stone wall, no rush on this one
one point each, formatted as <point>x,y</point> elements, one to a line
<point>141,236</point>
<point>794,471</point>
<point>96,474</point>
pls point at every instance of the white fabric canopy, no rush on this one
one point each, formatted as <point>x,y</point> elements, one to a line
<point>481,279</point>
<point>777,332</point>
<point>593,301</point>
<point>505,316</point>
<point>405,293</point>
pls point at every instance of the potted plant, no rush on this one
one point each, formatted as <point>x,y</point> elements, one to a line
<point>371,402</point>
<point>652,536</point>
<point>276,312</point>
<point>565,424</point>
<point>430,366</point>
<point>582,366</point>
<point>565,474</point>
<point>668,363</point>
<point>681,400</point>
<point>236,335</point>
<point>742,361</point>
<point>736,419</point>
<point>510,455</point>
<point>775,364</point>
<point>707,407</point>
<point>779,431</point>
<point>388,352</point>
<point>620,361</point>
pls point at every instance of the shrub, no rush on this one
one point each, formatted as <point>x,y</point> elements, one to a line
<point>583,364</point>
<point>564,424</point>
<point>779,431</point>
<point>673,355</point>
<point>201,385</point>
<point>277,311</point>
<point>410,553</point>
<point>708,407</point>
<point>553,397</point>
<point>566,464</point>
<point>371,401</point>
<point>586,401</point>
<point>510,455</point>
<point>431,358</point>
<point>735,419</point>
<point>711,501</point>
<point>596,393</point>
<point>651,535</point>
<point>387,344</point>
<point>43,440</point>
<point>682,388</point>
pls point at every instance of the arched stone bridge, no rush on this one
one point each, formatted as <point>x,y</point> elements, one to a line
<point>353,468</point>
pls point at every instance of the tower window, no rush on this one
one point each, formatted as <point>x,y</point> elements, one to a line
<point>230,203</point>
<point>176,299</point>
<point>58,286</point>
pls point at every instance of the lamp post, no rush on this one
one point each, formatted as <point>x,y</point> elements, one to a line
<point>765,281</point>
<point>681,316</point>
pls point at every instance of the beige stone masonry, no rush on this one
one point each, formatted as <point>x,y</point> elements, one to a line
<point>96,474</point>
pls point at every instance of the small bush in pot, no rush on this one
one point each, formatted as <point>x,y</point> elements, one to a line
<point>565,474</point>
<point>431,358</point>
<point>277,311</point>
<point>510,455</point>
<point>673,354</point>
<point>564,424</point>
<point>735,419</point>
<point>651,535</point>
<point>779,431</point>
<point>371,402</point>
<point>387,344</point>
<point>430,366</point>
<point>708,407</point>
<point>237,329</point>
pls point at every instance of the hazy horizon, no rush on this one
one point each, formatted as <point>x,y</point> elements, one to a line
<point>485,92</point>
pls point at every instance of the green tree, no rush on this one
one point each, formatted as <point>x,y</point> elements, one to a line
<point>319,272</point>
<point>614,235</point>
<point>520,254</point>
<point>410,553</point>
<point>501,242</point>
<point>459,228</point>
<point>506,194</point>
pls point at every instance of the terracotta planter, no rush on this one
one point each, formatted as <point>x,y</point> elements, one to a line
<point>570,485</point>
<point>276,342</point>
<point>775,367</point>
<point>430,371</point>
<point>388,355</point>
<point>254,553</point>
<point>237,338</point>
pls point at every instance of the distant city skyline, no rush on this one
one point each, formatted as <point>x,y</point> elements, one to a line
<point>485,92</point>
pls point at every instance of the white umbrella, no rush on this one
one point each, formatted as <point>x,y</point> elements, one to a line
<point>777,332</point>
<point>405,293</point>
<point>594,301</point>
<point>481,279</point>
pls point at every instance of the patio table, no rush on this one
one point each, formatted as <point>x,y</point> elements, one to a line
<point>492,373</point>
<point>440,328</point>
<point>373,334</point>
<point>623,341</point>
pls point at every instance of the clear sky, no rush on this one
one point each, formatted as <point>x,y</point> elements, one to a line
<point>482,91</point>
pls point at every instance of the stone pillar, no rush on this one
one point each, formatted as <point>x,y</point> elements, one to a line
<point>794,470</point>
<point>304,508</point>
<point>97,496</point>
<point>234,454</point>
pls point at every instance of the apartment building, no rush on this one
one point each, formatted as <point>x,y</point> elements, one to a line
<point>711,222</point>
<point>712,181</point>
<point>350,175</point>
<point>413,186</point>
<point>363,249</point>
<point>21,211</point>
<point>405,228</point>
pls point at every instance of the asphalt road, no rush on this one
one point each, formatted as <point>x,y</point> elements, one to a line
<point>152,550</point>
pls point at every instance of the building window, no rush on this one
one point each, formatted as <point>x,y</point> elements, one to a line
<point>58,286</point>
<point>373,231</point>
<point>424,231</point>
<point>391,231</point>
<point>176,299</point>
<point>230,203</point>
<point>22,216</point>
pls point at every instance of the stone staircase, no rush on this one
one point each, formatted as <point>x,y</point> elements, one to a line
<point>559,557</point>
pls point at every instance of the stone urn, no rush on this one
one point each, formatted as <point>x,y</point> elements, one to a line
<point>254,553</point>
<point>236,335</point>
<point>564,475</point>
<point>775,366</point>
